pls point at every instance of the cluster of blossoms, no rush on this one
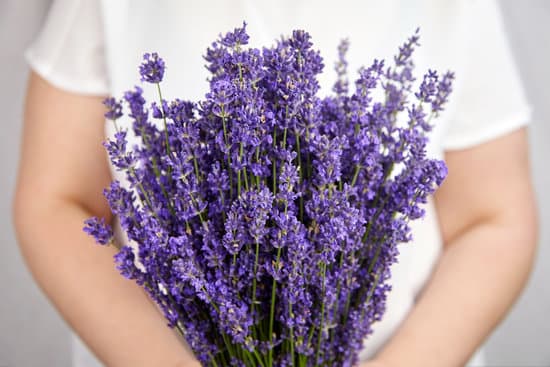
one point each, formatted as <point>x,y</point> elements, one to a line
<point>266,217</point>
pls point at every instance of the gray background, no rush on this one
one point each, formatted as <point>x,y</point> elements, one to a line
<point>32,334</point>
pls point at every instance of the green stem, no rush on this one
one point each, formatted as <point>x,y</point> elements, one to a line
<point>374,217</point>
<point>245,179</point>
<point>223,204</point>
<point>229,345</point>
<point>346,308</point>
<point>116,126</point>
<point>223,360</point>
<point>272,308</point>
<point>308,159</point>
<point>291,335</point>
<point>240,74</point>
<point>197,172</point>
<point>356,174</point>
<point>258,357</point>
<point>301,172</point>
<point>301,357</point>
<point>369,295</point>
<point>257,255</point>
<point>203,222</point>
<point>225,138</point>
<point>234,266</point>
<point>249,358</point>
<point>239,172</point>
<point>239,183</point>
<point>144,192</point>
<point>212,360</point>
<point>338,286</point>
<point>321,324</point>
<point>274,163</point>
<point>258,161</point>
<point>376,254</point>
<point>168,152</point>
<point>180,331</point>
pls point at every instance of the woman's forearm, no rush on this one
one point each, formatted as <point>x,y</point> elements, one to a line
<point>111,314</point>
<point>478,278</point>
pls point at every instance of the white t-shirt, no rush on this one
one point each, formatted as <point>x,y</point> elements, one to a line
<point>94,47</point>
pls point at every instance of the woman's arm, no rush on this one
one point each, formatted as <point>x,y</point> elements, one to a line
<point>62,173</point>
<point>487,214</point>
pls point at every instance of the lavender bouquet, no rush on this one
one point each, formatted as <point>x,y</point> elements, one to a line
<point>266,218</point>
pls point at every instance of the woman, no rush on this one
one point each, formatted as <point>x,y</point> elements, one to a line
<point>471,255</point>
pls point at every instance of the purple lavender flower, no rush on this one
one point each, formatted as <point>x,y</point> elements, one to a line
<point>100,230</point>
<point>444,89</point>
<point>125,260</point>
<point>238,37</point>
<point>428,88</point>
<point>120,157</point>
<point>152,68</point>
<point>114,108</point>
<point>341,68</point>
<point>403,58</point>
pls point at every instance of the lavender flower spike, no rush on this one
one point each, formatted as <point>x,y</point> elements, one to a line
<point>100,230</point>
<point>114,108</point>
<point>152,68</point>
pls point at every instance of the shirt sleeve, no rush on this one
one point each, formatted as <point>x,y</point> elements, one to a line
<point>69,50</point>
<point>491,101</point>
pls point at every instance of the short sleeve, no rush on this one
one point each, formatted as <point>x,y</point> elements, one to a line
<point>69,50</point>
<point>490,100</point>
